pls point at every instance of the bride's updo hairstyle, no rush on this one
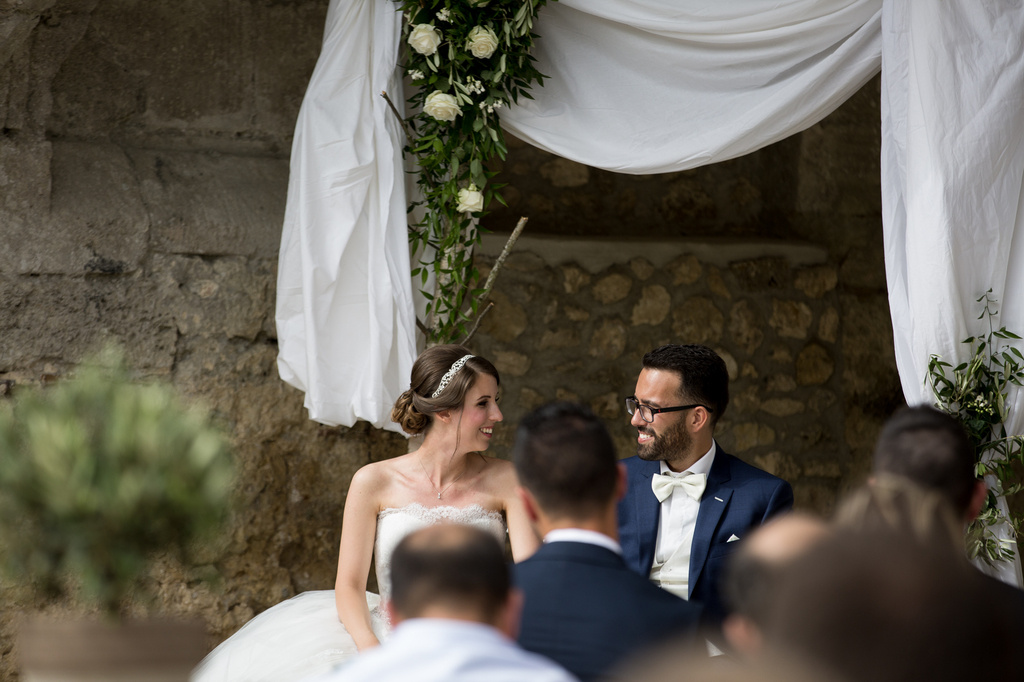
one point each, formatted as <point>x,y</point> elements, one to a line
<point>413,409</point>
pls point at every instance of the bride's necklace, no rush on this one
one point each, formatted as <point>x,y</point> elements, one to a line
<point>429,480</point>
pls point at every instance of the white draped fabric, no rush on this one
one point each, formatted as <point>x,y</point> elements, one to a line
<point>952,179</point>
<point>637,86</point>
<point>654,86</point>
<point>345,319</point>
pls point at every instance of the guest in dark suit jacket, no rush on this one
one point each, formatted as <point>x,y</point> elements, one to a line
<point>583,607</point>
<point>931,450</point>
<point>688,502</point>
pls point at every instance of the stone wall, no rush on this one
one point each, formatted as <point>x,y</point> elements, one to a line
<point>143,171</point>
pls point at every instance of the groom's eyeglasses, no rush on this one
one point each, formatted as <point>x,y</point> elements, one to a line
<point>647,412</point>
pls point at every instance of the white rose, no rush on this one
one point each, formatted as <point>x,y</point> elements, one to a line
<point>471,200</point>
<point>424,38</point>
<point>482,42</point>
<point>441,106</point>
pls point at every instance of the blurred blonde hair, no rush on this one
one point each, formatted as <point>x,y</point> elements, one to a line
<point>894,503</point>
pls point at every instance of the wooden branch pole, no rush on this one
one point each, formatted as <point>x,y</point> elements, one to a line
<point>512,238</point>
<point>405,126</point>
<point>476,325</point>
<point>493,275</point>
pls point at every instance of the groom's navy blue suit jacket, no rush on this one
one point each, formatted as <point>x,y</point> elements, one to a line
<point>737,498</point>
<point>585,610</point>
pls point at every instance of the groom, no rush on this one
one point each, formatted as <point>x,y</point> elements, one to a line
<point>688,501</point>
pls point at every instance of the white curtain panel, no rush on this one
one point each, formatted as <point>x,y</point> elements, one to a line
<point>952,176</point>
<point>345,312</point>
<point>653,86</point>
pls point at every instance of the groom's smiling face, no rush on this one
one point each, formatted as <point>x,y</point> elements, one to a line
<point>666,437</point>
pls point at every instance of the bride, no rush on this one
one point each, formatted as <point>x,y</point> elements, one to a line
<point>452,400</point>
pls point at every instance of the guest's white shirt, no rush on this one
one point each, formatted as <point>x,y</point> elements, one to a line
<point>447,650</point>
<point>589,537</point>
<point>671,568</point>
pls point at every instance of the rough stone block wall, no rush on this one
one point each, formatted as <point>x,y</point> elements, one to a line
<point>143,171</point>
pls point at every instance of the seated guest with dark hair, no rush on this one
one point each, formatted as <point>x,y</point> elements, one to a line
<point>583,607</point>
<point>931,450</point>
<point>454,616</point>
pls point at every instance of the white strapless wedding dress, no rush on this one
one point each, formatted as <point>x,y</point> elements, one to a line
<point>303,636</point>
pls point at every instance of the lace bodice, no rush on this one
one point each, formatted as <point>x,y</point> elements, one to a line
<point>393,524</point>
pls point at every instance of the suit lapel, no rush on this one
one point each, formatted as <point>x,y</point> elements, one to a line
<point>712,505</point>
<point>648,512</point>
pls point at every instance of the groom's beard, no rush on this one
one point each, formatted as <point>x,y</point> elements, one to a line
<point>666,445</point>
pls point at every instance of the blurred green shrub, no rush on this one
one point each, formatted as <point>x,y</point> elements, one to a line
<point>99,472</point>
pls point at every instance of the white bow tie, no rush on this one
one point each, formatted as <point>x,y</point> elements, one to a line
<point>691,483</point>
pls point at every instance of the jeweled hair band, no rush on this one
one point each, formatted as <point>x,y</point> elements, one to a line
<point>450,374</point>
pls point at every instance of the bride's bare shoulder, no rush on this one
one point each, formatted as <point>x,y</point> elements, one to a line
<point>500,473</point>
<point>376,476</point>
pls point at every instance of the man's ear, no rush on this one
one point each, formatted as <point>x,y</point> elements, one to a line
<point>699,419</point>
<point>511,614</point>
<point>622,485</point>
<point>393,615</point>
<point>529,503</point>
<point>978,496</point>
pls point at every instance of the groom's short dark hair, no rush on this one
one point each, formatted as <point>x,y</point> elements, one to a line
<point>931,449</point>
<point>702,372</point>
<point>566,459</point>
<point>451,565</point>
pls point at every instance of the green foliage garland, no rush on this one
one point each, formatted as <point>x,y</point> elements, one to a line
<point>469,58</point>
<point>97,474</point>
<point>976,395</point>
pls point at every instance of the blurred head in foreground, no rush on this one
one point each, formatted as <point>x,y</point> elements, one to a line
<point>754,572</point>
<point>879,606</point>
<point>897,504</point>
<point>931,449</point>
<point>453,571</point>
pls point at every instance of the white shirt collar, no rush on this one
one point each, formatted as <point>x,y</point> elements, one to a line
<point>437,628</point>
<point>701,466</point>
<point>590,537</point>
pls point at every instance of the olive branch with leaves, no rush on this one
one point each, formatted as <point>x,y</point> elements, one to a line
<point>976,393</point>
<point>468,59</point>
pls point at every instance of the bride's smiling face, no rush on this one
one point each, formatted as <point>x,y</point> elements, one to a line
<point>480,413</point>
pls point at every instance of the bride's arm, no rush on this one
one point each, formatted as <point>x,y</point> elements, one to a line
<point>521,535</point>
<point>358,529</point>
